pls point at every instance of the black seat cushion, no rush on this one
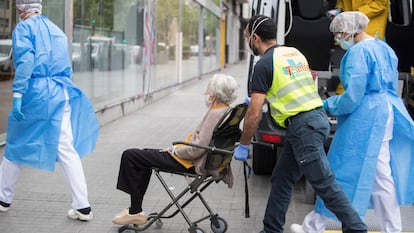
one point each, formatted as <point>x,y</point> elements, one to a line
<point>313,39</point>
<point>310,33</point>
<point>400,38</point>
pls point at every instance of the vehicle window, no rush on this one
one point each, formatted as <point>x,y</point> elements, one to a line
<point>401,12</point>
<point>5,50</point>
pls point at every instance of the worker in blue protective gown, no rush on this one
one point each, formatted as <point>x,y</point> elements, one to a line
<point>51,119</point>
<point>372,152</point>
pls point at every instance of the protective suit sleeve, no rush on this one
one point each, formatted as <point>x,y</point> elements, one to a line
<point>23,57</point>
<point>354,78</point>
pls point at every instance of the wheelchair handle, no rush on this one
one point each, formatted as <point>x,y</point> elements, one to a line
<point>204,147</point>
<point>270,145</point>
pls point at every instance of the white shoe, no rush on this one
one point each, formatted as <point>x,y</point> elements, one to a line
<point>75,214</point>
<point>4,209</point>
<point>296,228</point>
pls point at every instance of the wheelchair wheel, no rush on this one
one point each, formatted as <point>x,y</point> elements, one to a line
<point>221,226</point>
<point>158,224</point>
<point>199,230</point>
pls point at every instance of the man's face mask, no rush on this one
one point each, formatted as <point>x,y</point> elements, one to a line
<point>252,50</point>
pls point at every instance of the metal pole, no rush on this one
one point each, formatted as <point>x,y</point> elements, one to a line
<point>200,41</point>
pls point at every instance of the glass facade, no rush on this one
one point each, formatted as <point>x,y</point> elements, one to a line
<point>108,49</point>
<point>123,49</point>
<point>126,49</point>
<point>7,22</point>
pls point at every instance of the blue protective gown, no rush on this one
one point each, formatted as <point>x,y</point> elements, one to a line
<point>370,77</point>
<point>42,71</point>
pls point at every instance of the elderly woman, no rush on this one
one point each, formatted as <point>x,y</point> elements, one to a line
<point>372,152</point>
<point>135,169</point>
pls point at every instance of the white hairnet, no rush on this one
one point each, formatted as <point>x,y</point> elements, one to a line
<point>29,6</point>
<point>350,22</point>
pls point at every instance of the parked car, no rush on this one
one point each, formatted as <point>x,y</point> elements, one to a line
<point>194,48</point>
<point>136,54</point>
<point>113,56</point>
<point>84,58</point>
<point>106,54</point>
<point>6,63</point>
<point>76,56</point>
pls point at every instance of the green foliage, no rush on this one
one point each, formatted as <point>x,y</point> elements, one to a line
<point>166,10</point>
<point>98,13</point>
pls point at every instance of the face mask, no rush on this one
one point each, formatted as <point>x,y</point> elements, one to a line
<point>252,49</point>
<point>208,100</point>
<point>346,44</point>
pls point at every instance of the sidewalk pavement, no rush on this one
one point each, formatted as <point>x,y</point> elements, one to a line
<point>42,198</point>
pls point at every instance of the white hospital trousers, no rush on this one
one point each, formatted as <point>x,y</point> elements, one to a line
<point>68,160</point>
<point>384,197</point>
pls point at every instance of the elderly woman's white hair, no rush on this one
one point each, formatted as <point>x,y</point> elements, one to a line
<point>350,22</point>
<point>29,6</point>
<point>224,87</point>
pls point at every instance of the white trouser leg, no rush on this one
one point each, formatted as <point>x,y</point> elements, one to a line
<point>9,173</point>
<point>384,197</point>
<point>70,163</point>
<point>314,222</point>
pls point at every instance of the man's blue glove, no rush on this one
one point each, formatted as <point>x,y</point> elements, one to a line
<point>17,108</point>
<point>241,152</point>
<point>247,100</point>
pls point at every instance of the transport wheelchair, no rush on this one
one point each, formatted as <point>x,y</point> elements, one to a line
<point>219,155</point>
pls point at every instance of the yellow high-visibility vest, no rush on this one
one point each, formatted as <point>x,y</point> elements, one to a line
<point>293,89</point>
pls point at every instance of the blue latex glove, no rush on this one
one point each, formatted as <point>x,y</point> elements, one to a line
<point>17,108</point>
<point>247,100</point>
<point>241,152</point>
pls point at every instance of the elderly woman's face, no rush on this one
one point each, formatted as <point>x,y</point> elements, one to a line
<point>209,97</point>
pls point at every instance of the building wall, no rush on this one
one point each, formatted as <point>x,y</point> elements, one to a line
<point>5,18</point>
